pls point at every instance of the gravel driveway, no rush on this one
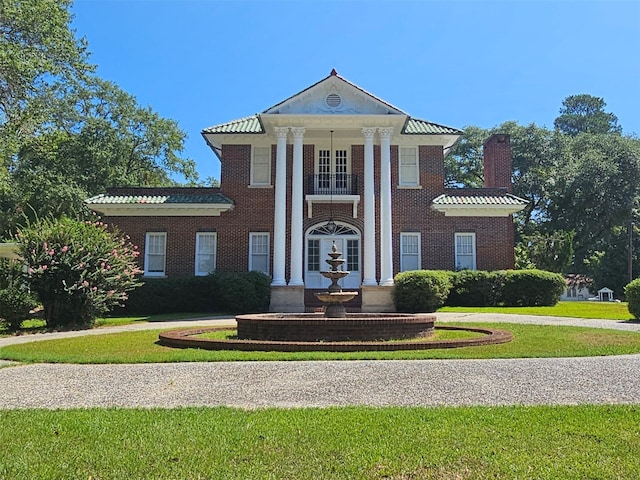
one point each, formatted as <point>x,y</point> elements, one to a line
<point>566,381</point>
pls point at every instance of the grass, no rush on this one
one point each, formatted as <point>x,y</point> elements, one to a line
<point>335,443</point>
<point>37,325</point>
<point>141,347</point>
<point>603,310</point>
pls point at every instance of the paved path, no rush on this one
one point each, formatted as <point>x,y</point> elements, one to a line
<point>569,381</point>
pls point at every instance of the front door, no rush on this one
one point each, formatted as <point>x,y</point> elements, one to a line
<point>319,244</point>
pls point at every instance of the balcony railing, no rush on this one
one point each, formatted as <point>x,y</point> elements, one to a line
<point>325,184</point>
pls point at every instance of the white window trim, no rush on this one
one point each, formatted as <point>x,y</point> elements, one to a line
<point>402,253</point>
<point>252,182</point>
<point>401,182</point>
<point>147,273</point>
<point>198,273</point>
<point>252,235</point>
<point>473,245</point>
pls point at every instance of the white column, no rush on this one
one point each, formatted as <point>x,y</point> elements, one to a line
<point>280,210</point>
<point>297,235</point>
<point>386,253</point>
<point>369,267</point>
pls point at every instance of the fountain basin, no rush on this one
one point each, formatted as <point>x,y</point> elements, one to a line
<point>316,327</point>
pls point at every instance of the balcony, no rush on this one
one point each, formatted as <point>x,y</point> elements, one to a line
<point>326,188</point>
<point>325,184</point>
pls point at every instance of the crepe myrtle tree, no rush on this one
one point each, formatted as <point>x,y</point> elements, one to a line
<point>78,269</point>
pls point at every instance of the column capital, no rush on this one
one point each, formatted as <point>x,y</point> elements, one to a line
<point>281,132</point>
<point>385,132</point>
<point>298,131</point>
<point>369,132</point>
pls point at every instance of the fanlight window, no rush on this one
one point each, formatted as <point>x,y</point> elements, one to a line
<point>340,230</point>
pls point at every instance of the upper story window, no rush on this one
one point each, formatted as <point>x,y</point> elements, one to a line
<point>333,170</point>
<point>465,251</point>
<point>408,167</point>
<point>206,245</point>
<point>261,166</point>
<point>155,254</point>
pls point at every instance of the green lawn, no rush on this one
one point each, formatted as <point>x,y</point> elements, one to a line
<point>141,347</point>
<point>510,443</point>
<point>604,310</point>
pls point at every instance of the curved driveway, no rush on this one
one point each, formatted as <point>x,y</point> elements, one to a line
<point>568,381</point>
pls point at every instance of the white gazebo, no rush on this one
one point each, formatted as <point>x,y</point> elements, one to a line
<point>605,295</point>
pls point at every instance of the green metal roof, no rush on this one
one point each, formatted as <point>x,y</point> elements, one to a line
<point>479,200</point>
<point>250,124</point>
<point>107,199</point>
<point>415,126</point>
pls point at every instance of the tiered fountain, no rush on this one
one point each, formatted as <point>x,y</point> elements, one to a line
<point>334,297</point>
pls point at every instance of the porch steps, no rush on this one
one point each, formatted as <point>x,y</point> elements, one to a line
<point>312,304</point>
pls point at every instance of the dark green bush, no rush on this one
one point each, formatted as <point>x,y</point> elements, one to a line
<point>244,292</point>
<point>474,288</point>
<point>632,294</point>
<point>421,290</point>
<point>15,304</point>
<point>530,288</point>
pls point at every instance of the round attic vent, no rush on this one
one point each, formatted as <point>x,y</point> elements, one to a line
<point>333,100</point>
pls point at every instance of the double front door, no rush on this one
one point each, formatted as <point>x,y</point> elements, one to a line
<point>318,248</point>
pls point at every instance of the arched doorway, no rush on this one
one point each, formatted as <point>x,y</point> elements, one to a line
<point>318,243</point>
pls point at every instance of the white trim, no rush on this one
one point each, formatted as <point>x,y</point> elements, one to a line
<point>257,151</point>
<point>478,210</point>
<point>401,168</point>
<point>418,254</point>
<point>161,210</point>
<point>156,273</point>
<point>253,235</point>
<point>199,235</point>
<point>472,235</point>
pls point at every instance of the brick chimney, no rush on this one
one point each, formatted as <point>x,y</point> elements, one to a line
<point>497,162</point>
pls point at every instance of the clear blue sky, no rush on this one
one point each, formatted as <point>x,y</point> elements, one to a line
<point>458,63</point>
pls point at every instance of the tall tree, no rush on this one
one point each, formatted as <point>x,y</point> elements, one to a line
<point>585,114</point>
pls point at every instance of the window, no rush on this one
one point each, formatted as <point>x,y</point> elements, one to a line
<point>408,167</point>
<point>259,252</point>
<point>333,173</point>
<point>155,254</point>
<point>409,251</point>
<point>353,255</point>
<point>261,166</point>
<point>465,251</point>
<point>313,255</point>
<point>206,243</point>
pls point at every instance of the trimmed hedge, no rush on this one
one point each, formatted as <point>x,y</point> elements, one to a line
<point>530,288</point>
<point>421,290</point>
<point>474,288</point>
<point>428,290</point>
<point>246,292</point>
<point>632,294</point>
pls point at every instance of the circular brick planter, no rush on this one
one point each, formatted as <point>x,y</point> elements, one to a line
<point>315,327</point>
<point>187,339</point>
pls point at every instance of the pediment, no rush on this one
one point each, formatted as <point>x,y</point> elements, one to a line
<point>334,95</point>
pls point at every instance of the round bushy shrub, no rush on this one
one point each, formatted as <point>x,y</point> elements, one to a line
<point>530,288</point>
<point>15,299</point>
<point>245,292</point>
<point>632,294</point>
<point>78,270</point>
<point>421,290</point>
<point>473,288</point>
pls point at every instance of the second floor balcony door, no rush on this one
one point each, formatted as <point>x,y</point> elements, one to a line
<point>333,172</point>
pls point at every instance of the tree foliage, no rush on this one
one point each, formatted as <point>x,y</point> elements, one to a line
<point>585,114</point>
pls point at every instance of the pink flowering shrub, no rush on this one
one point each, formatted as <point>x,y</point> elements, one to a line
<point>79,270</point>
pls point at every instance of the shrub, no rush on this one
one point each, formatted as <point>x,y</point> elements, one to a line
<point>421,290</point>
<point>632,294</point>
<point>78,270</point>
<point>473,288</point>
<point>244,292</point>
<point>529,288</point>
<point>15,304</point>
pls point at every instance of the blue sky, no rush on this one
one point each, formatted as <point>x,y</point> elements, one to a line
<point>458,63</point>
